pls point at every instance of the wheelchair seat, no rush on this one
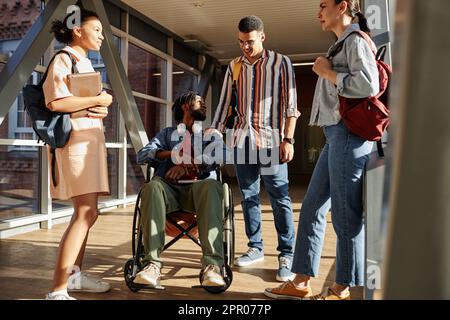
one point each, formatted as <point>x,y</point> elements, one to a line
<point>183,219</point>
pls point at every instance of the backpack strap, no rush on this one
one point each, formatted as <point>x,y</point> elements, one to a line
<point>237,70</point>
<point>73,68</point>
<point>380,149</point>
<point>232,108</point>
<point>340,45</point>
<point>53,164</point>
<point>368,40</point>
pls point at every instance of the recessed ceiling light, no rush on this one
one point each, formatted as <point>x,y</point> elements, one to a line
<point>199,3</point>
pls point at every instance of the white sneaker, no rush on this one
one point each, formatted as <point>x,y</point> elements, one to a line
<point>58,297</point>
<point>212,277</point>
<point>82,282</point>
<point>150,275</point>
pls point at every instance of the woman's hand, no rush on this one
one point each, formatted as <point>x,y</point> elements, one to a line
<point>322,66</point>
<point>97,112</point>
<point>104,99</point>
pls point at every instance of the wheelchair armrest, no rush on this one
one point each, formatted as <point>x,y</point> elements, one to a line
<point>150,164</point>
<point>219,173</point>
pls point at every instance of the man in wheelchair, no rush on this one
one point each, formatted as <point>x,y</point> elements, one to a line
<point>181,184</point>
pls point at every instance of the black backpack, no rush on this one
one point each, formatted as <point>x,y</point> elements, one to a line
<point>53,128</point>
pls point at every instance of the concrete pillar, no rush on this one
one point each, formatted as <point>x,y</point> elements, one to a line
<point>418,251</point>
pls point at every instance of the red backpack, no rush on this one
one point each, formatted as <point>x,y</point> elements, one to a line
<point>368,117</point>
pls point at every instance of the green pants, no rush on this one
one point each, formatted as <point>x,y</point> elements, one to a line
<point>204,198</point>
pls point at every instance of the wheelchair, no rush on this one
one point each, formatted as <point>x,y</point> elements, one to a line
<point>182,225</point>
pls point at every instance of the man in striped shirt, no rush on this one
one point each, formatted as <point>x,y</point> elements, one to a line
<point>266,115</point>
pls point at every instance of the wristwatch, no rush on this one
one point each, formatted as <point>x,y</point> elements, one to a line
<point>289,140</point>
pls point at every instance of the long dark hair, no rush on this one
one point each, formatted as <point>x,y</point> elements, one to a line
<point>354,10</point>
<point>61,30</point>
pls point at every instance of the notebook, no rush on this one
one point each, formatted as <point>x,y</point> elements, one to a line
<point>87,84</point>
<point>188,178</point>
<point>185,181</point>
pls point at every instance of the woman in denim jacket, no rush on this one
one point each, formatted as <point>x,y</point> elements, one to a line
<point>337,178</point>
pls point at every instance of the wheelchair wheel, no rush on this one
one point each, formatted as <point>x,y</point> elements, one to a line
<point>137,247</point>
<point>228,229</point>
<point>128,275</point>
<point>228,277</point>
<point>135,228</point>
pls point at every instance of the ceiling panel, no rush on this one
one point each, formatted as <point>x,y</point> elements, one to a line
<point>291,26</point>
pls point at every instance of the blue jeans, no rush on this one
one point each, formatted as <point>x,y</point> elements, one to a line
<point>336,182</point>
<point>275,177</point>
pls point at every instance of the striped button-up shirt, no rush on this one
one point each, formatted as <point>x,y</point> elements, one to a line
<point>267,95</point>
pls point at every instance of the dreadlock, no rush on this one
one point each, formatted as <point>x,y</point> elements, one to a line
<point>189,98</point>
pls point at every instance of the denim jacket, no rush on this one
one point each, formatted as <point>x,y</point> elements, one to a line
<point>357,77</point>
<point>168,139</point>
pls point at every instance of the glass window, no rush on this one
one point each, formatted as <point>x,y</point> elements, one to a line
<point>19,183</point>
<point>135,176</point>
<point>145,32</point>
<point>185,54</point>
<point>6,128</point>
<point>183,81</point>
<point>98,64</point>
<point>114,14</point>
<point>153,116</point>
<point>61,204</point>
<point>146,72</point>
<point>8,46</point>
<point>111,122</point>
<point>17,124</point>
<point>14,26</point>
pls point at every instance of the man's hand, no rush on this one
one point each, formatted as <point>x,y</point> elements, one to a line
<point>286,152</point>
<point>211,131</point>
<point>175,173</point>
<point>192,169</point>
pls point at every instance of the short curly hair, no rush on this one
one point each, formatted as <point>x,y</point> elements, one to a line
<point>251,23</point>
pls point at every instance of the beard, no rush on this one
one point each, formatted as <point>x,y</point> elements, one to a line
<point>199,114</point>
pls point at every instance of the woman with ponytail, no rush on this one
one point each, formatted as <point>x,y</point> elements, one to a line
<point>336,182</point>
<point>81,167</point>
